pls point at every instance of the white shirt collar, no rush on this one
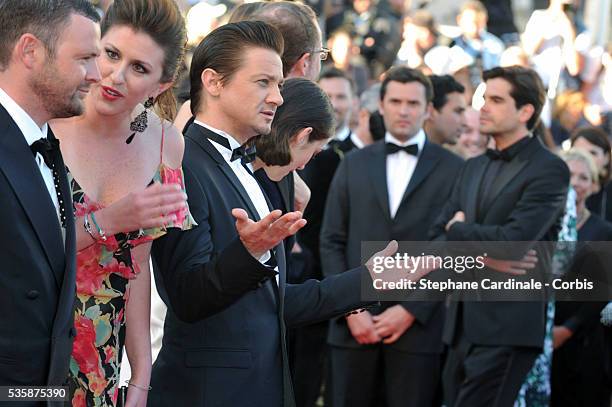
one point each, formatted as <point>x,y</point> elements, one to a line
<point>26,124</point>
<point>418,139</point>
<point>342,133</point>
<point>357,141</point>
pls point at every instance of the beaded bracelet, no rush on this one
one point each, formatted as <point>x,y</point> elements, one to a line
<point>148,388</point>
<point>87,227</point>
<point>100,231</point>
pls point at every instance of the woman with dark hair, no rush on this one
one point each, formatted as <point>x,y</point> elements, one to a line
<point>595,142</point>
<point>114,151</point>
<point>301,127</point>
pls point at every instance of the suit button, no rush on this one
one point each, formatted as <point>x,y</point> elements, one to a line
<point>32,294</point>
<point>72,333</point>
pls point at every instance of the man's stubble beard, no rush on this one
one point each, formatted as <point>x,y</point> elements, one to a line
<point>59,101</point>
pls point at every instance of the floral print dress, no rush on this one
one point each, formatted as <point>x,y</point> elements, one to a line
<point>104,271</point>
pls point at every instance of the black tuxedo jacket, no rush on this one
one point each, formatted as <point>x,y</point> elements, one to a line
<point>224,334</point>
<point>525,204</point>
<point>37,278</point>
<point>357,210</point>
<point>318,175</point>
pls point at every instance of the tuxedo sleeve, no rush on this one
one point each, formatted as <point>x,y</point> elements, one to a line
<point>452,206</point>
<point>199,280</point>
<point>334,231</point>
<point>314,301</point>
<point>539,207</point>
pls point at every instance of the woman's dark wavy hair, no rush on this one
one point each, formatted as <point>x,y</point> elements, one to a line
<point>306,105</point>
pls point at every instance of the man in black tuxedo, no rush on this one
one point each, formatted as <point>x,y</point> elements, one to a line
<point>514,194</point>
<point>47,62</point>
<point>393,189</point>
<point>309,347</point>
<point>224,282</point>
<point>447,120</point>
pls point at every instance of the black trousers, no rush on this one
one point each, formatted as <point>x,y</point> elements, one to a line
<point>485,376</point>
<point>308,361</point>
<point>378,376</point>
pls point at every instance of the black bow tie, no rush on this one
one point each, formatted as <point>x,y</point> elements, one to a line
<point>497,155</point>
<point>412,149</point>
<point>46,148</point>
<point>245,152</point>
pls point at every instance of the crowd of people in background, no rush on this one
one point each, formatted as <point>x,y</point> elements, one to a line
<point>221,193</point>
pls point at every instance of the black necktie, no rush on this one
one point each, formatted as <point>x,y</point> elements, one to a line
<point>245,152</point>
<point>497,155</point>
<point>48,149</point>
<point>412,149</point>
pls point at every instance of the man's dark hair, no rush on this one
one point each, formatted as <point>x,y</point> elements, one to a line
<point>526,88</point>
<point>333,72</point>
<point>306,105</point>
<point>45,19</point>
<point>222,50</point>
<point>599,138</point>
<point>298,25</point>
<point>403,74</point>
<point>442,86</point>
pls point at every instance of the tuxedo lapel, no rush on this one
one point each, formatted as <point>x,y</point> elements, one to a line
<point>425,164</point>
<point>18,164</point>
<point>378,176</point>
<point>510,171</point>
<point>198,134</point>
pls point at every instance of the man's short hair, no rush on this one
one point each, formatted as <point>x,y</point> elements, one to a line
<point>404,74</point>
<point>298,25</point>
<point>222,51</point>
<point>333,72</point>
<point>475,6</point>
<point>442,86</point>
<point>526,88</point>
<point>45,19</point>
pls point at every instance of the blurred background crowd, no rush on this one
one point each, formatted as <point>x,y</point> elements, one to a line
<point>568,42</point>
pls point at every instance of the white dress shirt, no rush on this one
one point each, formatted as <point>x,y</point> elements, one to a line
<point>32,133</point>
<point>356,140</point>
<point>400,167</point>
<point>342,134</point>
<point>247,180</point>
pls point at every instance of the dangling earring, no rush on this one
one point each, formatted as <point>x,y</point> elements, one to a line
<point>139,124</point>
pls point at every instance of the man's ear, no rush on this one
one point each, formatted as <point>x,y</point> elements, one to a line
<point>300,67</point>
<point>525,113</point>
<point>28,50</point>
<point>430,111</point>
<point>211,82</point>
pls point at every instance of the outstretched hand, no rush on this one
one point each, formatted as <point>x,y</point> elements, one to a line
<point>259,237</point>
<point>513,267</point>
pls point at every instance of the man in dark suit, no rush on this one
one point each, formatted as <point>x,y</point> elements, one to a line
<point>47,62</point>
<point>447,120</point>
<point>393,189</point>
<point>309,348</point>
<point>514,194</point>
<point>224,282</point>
